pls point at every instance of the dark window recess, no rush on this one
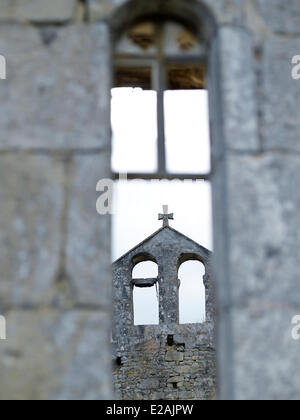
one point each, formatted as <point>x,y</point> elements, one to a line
<point>119,361</point>
<point>170,340</point>
<point>133,77</point>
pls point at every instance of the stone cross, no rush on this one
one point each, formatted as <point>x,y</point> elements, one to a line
<point>166,216</point>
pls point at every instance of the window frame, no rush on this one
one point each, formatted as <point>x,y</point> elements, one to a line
<point>158,63</point>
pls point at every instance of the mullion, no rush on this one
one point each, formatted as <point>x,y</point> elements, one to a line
<point>161,145</point>
<point>160,81</point>
<point>159,65</point>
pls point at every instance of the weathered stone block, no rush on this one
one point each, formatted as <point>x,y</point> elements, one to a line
<point>225,12</point>
<point>254,22</point>
<point>279,105</point>
<point>150,383</point>
<point>37,10</point>
<point>53,355</point>
<point>88,259</point>
<point>239,105</point>
<point>183,369</point>
<point>264,351</point>
<point>265,200</point>
<point>99,9</point>
<point>174,356</point>
<point>57,92</point>
<point>175,380</point>
<point>31,195</point>
<point>186,395</point>
<point>282,16</point>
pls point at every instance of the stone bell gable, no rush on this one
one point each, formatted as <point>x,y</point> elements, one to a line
<point>168,360</point>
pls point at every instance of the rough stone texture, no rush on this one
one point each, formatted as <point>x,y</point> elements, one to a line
<point>267,364</point>
<point>255,24</point>
<point>263,259</point>
<point>87,250</point>
<point>37,10</point>
<point>53,355</point>
<point>100,9</point>
<point>169,361</point>
<point>54,350</point>
<point>57,90</point>
<point>225,11</point>
<point>282,16</point>
<point>279,104</point>
<point>238,84</point>
<point>269,241</point>
<point>153,370</point>
<point>57,97</point>
<point>54,249</point>
<point>31,195</point>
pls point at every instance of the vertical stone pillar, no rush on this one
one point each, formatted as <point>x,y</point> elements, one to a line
<point>168,290</point>
<point>234,130</point>
<point>54,247</point>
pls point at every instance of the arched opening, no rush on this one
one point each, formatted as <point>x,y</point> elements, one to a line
<point>145,270</point>
<point>145,293</point>
<point>191,293</point>
<point>192,13</point>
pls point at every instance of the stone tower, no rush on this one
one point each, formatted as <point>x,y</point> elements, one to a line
<point>165,361</point>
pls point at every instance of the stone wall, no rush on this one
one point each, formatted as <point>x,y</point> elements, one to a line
<point>54,248</point>
<point>166,363</point>
<point>54,145</point>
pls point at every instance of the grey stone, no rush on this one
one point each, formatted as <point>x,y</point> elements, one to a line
<point>168,248</point>
<point>176,379</point>
<point>174,356</point>
<point>57,93</point>
<point>265,199</point>
<point>87,249</point>
<point>263,259</point>
<point>164,352</point>
<point>32,196</point>
<point>281,96</point>
<point>184,395</point>
<point>183,369</point>
<point>50,355</point>
<point>100,9</point>
<point>257,26</point>
<point>149,383</point>
<point>266,358</point>
<point>54,249</point>
<point>238,89</point>
<point>38,10</point>
<point>282,16</point>
<point>224,11</point>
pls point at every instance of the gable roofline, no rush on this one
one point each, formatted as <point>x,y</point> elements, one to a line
<point>155,234</point>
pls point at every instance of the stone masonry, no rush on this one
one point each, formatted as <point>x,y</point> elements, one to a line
<point>55,145</point>
<point>169,361</point>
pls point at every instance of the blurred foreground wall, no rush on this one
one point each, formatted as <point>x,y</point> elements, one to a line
<point>55,249</point>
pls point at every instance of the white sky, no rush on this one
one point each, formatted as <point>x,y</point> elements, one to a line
<point>137,203</point>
